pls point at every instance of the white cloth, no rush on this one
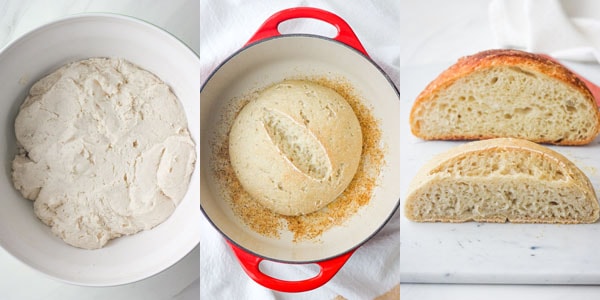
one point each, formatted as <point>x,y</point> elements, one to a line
<point>225,26</point>
<point>567,30</point>
<point>371,271</point>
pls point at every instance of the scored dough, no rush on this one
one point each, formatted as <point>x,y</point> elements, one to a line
<point>296,147</point>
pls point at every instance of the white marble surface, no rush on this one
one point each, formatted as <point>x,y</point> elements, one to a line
<point>180,18</point>
<point>433,34</point>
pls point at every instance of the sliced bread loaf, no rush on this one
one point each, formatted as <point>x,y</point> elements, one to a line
<point>506,93</point>
<point>501,180</point>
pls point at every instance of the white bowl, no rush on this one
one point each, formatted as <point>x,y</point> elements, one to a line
<point>29,58</point>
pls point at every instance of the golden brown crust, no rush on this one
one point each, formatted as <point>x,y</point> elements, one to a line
<point>487,146</point>
<point>501,57</point>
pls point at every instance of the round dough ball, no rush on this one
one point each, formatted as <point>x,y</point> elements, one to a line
<point>296,147</point>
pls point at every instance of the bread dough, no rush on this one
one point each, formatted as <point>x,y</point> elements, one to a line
<point>499,180</point>
<point>104,151</point>
<point>296,147</point>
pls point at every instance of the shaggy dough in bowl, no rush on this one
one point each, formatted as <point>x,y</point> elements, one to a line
<point>296,147</point>
<point>104,151</point>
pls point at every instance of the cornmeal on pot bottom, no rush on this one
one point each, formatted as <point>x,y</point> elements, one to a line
<point>103,151</point>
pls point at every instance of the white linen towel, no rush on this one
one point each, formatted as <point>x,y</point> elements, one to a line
<point>568,30</point>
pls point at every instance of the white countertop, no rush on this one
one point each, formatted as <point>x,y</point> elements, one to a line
<point>180,18</point>
<point>434,32</point>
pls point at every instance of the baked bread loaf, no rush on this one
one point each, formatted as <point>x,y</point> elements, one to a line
<point>506,93</point>
<point>501,180</point>
<point>296,147</point>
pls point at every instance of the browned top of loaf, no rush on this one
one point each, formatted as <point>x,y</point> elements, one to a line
<point>504,57</point>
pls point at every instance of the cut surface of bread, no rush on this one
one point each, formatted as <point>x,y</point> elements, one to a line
<point>501,180</point>
<point>506,93</point>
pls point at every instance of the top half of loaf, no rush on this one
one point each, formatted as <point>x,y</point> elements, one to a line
<point>529,78</point>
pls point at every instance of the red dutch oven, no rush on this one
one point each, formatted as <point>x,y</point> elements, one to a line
<point>271,57</point>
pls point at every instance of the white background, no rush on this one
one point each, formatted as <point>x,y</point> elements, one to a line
<point>226,25</point>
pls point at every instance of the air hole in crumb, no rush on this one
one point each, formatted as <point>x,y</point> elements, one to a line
<point>523,110</point>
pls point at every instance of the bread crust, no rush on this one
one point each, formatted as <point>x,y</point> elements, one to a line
<point>501,57</point>
<point>423,176</point>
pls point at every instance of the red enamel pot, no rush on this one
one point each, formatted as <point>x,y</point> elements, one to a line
<point>271,57</point>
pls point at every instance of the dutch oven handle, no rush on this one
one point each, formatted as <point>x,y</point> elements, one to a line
<point>250,264</point>
<point>345,34</point>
